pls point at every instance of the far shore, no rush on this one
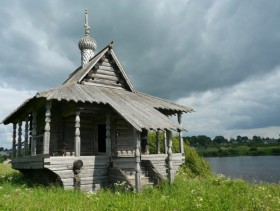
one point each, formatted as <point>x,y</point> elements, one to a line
<point>231,151</point>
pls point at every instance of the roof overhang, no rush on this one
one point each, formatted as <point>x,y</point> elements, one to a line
<point>140,110</point>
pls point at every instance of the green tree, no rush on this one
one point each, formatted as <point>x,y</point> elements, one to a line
<point>220,140</point>
<point>204,141</point>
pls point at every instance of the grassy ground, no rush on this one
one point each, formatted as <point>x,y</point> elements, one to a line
<point>212,193</point>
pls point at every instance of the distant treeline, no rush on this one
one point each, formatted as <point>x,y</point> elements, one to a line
<point>205,141</point>
<point>242,145</point>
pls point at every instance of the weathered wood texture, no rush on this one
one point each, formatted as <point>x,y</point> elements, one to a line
<point>106,73</point>
<point>30,162</point>
<point>94,173</point>
<point>124,141</point>
<point>138,184</point>
<point>117,176</point>
<point>159,161</point>
<point>153,173</point>
<point>124,162</point>
<point>47,128</point>
<point>40,128</point>
<point>170,170</point>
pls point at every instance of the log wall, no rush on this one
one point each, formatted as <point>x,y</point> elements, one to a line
<point>94,173</point>
<point>124,141</point>
<point>159,161</point>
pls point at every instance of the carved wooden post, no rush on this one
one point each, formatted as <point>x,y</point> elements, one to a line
<point>108,134</point>
<point>30,133</point>
<point>180,133</point>
<point>138,160</point>
<point>169,153</point>
<point>165,142</point>
<point>19,139</point>
<point>47,133</point>
<point>34,133</point>
<point>14,139</point>
<point>158,142</point>
<point>26,137</point>
<point>77,135</point>
<point>148,144</point>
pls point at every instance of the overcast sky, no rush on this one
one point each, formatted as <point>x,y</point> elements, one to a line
<point>220,57</point>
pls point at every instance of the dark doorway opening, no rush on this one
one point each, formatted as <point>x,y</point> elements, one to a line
<point>102,138</point>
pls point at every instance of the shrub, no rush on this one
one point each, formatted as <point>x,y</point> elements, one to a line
<point>275,151</point>
<point>253,149</point>
<point>194,164</point>
<point>1,159</point>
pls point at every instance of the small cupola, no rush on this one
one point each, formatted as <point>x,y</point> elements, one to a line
<point>87,44</point>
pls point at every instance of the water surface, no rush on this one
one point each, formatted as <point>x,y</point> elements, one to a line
<point>249,168</point>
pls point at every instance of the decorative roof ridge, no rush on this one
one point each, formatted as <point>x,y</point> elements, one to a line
<point>122,70</point>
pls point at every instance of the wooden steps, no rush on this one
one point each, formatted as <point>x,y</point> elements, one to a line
<point>146,181</point>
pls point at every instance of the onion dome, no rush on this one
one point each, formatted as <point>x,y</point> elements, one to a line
<point>87,42</point>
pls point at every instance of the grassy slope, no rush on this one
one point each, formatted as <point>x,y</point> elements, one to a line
<point>212,193</point>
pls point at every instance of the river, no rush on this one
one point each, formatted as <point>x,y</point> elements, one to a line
<point>248,168</point>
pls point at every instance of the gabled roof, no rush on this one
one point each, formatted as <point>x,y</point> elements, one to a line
<point>104,69</point>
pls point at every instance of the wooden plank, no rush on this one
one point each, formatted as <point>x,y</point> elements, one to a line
<point>94,180</point>
<point>105,82</point>
<point>93,187</point>
<point>38,158</point>
<point>94,172</point>
<point>105,63</point>
<point>105,77</point>
<point>125,165</point>
<point>108,68</point>
<point>29,165</point>
<point>59,167</point>
<point>64,174</point>
<point>68,182</point>
<point>106,72</point>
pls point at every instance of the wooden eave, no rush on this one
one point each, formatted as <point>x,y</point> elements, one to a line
<point>29,105</point>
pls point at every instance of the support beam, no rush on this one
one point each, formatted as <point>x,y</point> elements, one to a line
<point>34,133</point>
<point>165,142</point>
<point>180,133</point>
<point>138,185</point>
<point>19,139</point>
<point>158,142</point>
<point>30,133</point>
<point>47,134</point>
<point>25,152</point>
<point>169,157</point>
<point>14,140</point>
<point>108,134</point>
<point>77,135</point>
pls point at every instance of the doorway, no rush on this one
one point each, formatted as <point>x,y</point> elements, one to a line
<point>102,138</point>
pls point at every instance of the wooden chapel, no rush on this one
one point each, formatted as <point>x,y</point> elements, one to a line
<point>92,131</point>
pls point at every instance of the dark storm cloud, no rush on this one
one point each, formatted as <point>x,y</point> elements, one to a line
<point>168,49</point>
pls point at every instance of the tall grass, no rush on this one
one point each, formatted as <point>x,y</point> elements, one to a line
<point>200,193</point>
